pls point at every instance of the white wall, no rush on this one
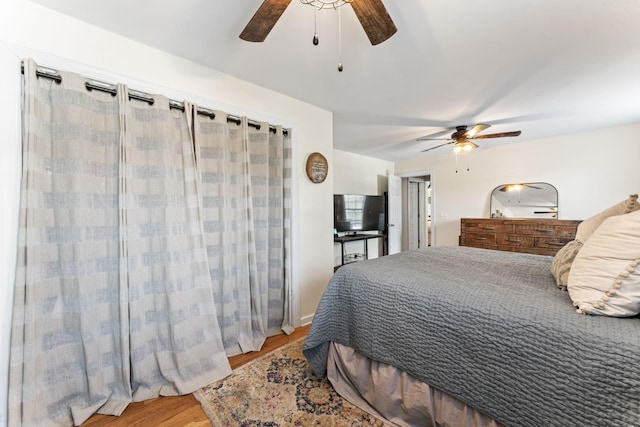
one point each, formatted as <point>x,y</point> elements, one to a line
<point>58,41</point>
<point>591,171</point>
<point>356,174</point>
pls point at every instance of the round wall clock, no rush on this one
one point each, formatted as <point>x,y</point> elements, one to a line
<point>317,168</point>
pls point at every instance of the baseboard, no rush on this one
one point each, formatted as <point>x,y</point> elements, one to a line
<point>305,320</point>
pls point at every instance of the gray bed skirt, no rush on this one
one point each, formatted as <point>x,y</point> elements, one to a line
<point>395,396</point>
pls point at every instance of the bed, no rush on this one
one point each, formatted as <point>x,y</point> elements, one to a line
<point>488,331</point>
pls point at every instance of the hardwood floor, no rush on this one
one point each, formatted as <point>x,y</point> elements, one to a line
<point>182,411</point>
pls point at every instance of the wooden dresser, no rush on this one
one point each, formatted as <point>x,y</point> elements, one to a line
<point>534,236</point>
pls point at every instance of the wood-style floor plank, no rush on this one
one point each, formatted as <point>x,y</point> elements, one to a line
<point>183,411</point>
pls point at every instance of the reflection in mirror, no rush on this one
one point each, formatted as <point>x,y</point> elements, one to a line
<point>525,200</point>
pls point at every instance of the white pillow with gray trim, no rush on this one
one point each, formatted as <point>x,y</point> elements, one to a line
<point>605,277</point>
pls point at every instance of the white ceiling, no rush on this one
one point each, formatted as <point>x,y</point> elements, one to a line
<point>546,67</point>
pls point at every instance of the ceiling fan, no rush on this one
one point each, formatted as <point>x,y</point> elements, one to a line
<point>463,136</point>
<point>372,14</point>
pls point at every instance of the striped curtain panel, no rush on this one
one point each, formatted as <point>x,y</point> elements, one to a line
<point>246,180</point>
<point>113,297</point>
<point>69,336</point>
<point>175,341</point>
<point>285,290</point>
<point>279,170</point>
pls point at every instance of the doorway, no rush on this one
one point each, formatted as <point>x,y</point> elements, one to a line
<point>417,211</point>
<point>422,233</point>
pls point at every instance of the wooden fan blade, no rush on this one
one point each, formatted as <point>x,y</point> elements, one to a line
<point>497,135</point>
<point>425,138</point>
<point>438,146</point>
<point>264,20</point>
<point>375,20</point>
<point>475,130</point>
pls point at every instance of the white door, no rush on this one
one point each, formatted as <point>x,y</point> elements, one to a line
<point>394,211</point>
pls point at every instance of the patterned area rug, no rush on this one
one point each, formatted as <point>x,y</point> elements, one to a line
<point>279,389</point>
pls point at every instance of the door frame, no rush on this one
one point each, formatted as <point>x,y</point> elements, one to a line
<point>421,173</point>
<point>417,205</point>
<point>394,230</point>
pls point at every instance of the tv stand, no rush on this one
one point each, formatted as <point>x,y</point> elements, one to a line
<point>347,259</point>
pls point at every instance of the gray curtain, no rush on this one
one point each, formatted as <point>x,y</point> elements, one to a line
<point>114,298</point>
<point>246,183</point>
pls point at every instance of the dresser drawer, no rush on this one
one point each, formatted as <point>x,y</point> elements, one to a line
<point>514,240</point>
<point>546,230</point>
<point>552,243</point>
<point>479,239</point>
<point>487,226</point>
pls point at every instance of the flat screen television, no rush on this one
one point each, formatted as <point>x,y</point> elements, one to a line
<point>358,212</point>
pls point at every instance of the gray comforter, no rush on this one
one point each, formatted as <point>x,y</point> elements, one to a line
<point>490,328</point>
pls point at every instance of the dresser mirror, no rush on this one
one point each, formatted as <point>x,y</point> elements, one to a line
<point>524,200</point>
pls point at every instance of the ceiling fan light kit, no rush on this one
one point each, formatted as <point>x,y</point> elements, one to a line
<point>464,146</point>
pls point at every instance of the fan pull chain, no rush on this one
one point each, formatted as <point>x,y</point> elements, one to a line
<point>315,29</point>
<point>468,167</point>
<point>340,68</point>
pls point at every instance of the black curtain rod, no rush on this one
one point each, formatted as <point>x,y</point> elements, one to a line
<point>48,73</point>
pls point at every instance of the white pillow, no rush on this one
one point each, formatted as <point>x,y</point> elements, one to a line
<point>605,277</point>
